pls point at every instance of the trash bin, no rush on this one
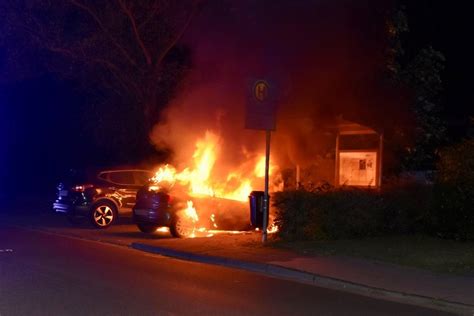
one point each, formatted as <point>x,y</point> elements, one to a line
<point>256,209</point>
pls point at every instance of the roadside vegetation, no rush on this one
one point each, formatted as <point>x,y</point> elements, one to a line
<point>444,209</point>
<point>423,225</point>
<point>344,213</point>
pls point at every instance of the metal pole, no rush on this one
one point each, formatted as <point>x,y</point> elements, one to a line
<point>298,181</point>
<point>336,169</point>
<point>380,160</point>
<point>266,199</point>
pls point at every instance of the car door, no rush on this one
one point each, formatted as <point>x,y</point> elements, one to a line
<point>126,188</point>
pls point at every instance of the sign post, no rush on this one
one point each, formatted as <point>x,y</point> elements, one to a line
<point>266,198</point>
<point>261,115</point>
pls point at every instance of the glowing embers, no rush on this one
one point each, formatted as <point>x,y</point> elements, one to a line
<point>272,228</point>
<point>163,230</point>
<point>213,220</point>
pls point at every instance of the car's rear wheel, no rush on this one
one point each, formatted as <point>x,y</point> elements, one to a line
<point>147,228</point>
<point>182,227</point>
<point>103,214</point>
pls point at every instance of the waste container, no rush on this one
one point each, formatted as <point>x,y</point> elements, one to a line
<point>256,209</point>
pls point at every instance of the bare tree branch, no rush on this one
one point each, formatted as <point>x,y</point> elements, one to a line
<point>173,42</point>
<point>104,29</point>
<point>99,53</point>
<point>139,40</point>
<point>38,35</point>
<point>115,71</point>
<point>150,16</point>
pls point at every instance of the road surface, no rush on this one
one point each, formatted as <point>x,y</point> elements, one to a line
<point>46,274</point>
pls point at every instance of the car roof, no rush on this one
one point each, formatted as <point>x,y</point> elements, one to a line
<point>130,170</point>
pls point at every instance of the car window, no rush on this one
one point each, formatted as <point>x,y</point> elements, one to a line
<point>104,176</point>
<point>142,177</point>
<point>122,177</point>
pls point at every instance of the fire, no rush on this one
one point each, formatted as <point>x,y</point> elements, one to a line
<point>272,228</point>
<point>190,216</point>
<point>203,177</point>
<point>199,178</point>
<point>204,158</point>
<point>190,212</point>
<point>260,168</point>
<point>213,220</point>
<point>165,173</point>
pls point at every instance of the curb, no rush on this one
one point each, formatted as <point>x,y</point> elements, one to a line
<point>312,279</point>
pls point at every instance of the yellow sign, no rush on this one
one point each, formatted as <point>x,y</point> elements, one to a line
<point>260,90</point>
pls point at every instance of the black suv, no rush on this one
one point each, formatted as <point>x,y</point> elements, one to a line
<point>100,196</point>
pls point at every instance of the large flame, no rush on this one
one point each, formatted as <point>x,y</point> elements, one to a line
<point>202,177</point>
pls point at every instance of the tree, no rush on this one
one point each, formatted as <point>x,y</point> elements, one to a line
<point>453,215</point>
<point>422,76</point>
<point>124,52</point>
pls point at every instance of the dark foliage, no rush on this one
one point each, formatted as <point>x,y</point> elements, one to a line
<point>352,213</point>
<point>420,74</point>
<point>453,215</point>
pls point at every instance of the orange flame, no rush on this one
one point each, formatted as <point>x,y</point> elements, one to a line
<point>190,212</point>
<point>165,173</point>
<point>213,220</point>
<point>199,177</point>
<point>200,180</point>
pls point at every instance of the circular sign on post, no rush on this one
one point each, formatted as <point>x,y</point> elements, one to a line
<point>260,90</point>
<point>261,104</point>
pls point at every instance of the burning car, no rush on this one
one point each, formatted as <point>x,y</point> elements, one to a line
<point>204,194</point>
<point>100,196</point>
<point>164,207</point>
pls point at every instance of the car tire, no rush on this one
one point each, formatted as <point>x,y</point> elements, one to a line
<point>103,214</point>
<point>147,228</point>
<point>181,227</point>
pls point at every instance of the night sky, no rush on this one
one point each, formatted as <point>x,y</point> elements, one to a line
<point>41,130</point>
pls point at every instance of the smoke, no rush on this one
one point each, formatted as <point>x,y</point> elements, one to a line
<point>325,55</point>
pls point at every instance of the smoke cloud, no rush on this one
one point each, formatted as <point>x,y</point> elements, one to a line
<point>326,56</point>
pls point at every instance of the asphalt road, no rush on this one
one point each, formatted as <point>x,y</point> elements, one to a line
<point>44,274</point>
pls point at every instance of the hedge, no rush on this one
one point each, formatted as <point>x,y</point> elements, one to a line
<point>352,213</point>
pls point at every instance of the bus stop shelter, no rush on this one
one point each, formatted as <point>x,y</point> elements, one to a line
<point>358,163</point>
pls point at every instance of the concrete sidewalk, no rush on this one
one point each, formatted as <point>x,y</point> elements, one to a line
<point>364,277</point>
